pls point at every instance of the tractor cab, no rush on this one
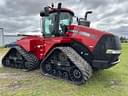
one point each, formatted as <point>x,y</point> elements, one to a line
<point>56,20</point>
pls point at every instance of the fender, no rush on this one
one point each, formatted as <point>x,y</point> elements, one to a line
<point>30,43</point>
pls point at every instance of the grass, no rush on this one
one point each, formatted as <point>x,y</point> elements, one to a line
<point>110,82</point>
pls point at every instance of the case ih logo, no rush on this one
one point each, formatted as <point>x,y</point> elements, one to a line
<point>87,34</point>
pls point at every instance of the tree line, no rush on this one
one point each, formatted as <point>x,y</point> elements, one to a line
<point>123,39</point>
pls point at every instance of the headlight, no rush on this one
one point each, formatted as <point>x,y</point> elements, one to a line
<point>111,51</point>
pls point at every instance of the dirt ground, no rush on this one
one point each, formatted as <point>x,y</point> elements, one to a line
<point>2,53</point>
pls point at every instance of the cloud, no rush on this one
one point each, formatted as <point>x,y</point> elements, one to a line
<point>23,15</point>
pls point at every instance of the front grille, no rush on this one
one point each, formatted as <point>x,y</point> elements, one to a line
<point>107,42</point>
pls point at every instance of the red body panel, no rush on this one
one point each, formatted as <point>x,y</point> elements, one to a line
<point>40,46</point>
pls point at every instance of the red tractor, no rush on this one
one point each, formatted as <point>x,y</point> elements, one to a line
<point>68,49</point>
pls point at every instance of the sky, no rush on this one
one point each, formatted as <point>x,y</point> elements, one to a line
<point>23,15</point>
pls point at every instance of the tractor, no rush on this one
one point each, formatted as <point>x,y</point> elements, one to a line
<point>68,48</point>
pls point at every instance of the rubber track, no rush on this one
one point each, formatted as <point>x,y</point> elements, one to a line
<point>78,61</point>
<point>31,60</point>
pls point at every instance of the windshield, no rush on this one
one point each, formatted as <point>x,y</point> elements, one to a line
<point>65,19</point>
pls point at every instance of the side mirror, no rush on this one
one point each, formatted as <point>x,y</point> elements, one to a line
<point>42,14</point>
<point>45,12</point>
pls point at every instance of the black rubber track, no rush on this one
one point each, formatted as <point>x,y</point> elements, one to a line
<point>78,65</point>
<point>18,58</point>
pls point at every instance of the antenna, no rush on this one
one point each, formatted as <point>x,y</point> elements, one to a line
<point>52,5</point>
<point>59,5</point>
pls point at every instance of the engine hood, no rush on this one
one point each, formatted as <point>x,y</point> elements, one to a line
<point>86,35</point>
